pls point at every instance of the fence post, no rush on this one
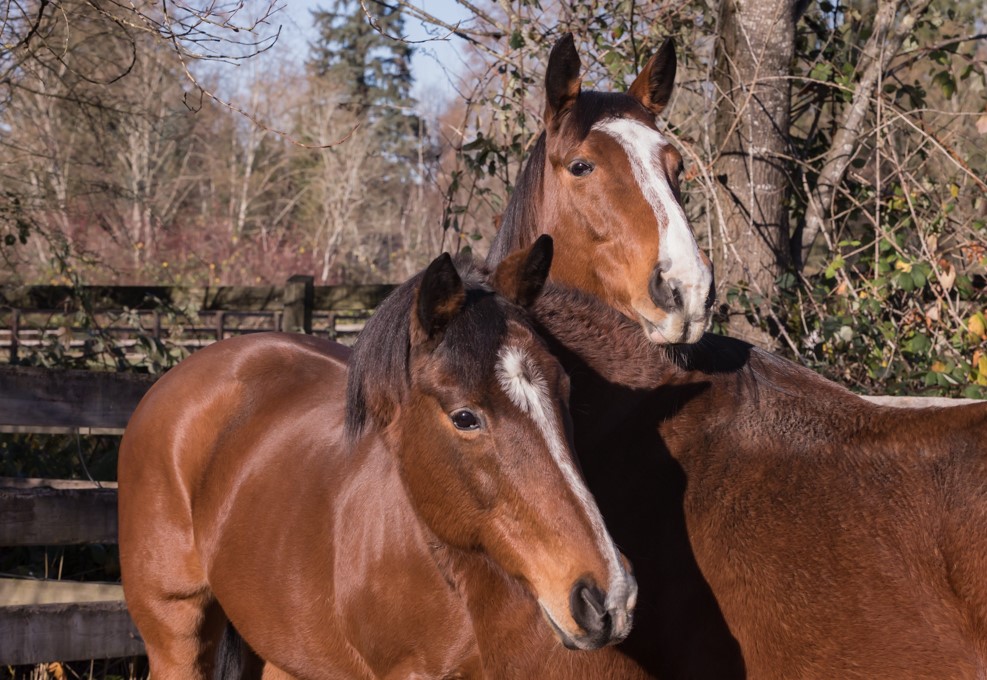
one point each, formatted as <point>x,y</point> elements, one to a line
<point>15,329</point>
<point>299,298</point>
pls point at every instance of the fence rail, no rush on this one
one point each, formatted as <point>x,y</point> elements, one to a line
<point>187,317</point>
<point>43,621</point>
<point>40,620</point>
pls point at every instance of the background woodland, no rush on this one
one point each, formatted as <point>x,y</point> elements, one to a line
<point>836,154</point>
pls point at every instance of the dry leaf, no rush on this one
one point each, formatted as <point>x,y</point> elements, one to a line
<point>976,325</point>
<point>947,275</point>
<point>982,124</point>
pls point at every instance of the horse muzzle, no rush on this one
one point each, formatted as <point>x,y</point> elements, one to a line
<point>676,328</point>
<point>603,619</point>
<point>682,308</point>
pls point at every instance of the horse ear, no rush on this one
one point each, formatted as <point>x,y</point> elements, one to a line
<point>653,86</point>
<point>561,79</point>
<point>521,276</point>
<point>441,296</point>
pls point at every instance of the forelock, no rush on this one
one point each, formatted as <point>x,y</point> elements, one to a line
<point>593,107</point>
<point>379,369</point>
<point>471,342</point>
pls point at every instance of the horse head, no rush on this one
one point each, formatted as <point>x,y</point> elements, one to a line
<point>483,440</point>
<point>604,182</point>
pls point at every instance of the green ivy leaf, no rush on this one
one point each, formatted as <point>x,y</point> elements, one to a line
<point>973,392</point>
<point>786,281</point>
<point>918,344</point>
<point>904,281</point>
<point>918,277</point>
<point>821,71</point>
<point>834,266</point>
<point>945,81</point>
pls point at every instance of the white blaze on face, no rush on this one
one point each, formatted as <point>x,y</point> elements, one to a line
<point>678,256</point>
<point>525,386</point>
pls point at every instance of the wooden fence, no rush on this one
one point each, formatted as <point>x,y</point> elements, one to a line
<point>78,318</point>
<point>42,621</point>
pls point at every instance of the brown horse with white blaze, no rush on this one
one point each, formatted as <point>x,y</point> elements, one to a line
<point>604,177</point>
<point>354,534</point>
<point>780,526</point>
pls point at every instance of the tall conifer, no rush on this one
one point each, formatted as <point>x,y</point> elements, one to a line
<point>373,69</point>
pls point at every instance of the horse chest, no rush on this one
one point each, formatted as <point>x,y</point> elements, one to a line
<point>406,624</point>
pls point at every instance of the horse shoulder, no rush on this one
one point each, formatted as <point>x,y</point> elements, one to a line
<point>338,517</point>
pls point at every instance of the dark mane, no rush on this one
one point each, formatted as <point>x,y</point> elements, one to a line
<point>380,358</point>
<point>379,370</point>
<point>519,223</point>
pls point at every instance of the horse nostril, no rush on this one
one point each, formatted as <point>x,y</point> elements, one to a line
<point>665,294</point>
<point>589,610</point>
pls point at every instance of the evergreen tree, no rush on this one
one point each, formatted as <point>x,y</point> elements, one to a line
<point>362,66</point>
<point>373,69</point>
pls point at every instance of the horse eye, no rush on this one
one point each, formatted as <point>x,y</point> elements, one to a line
<point>580,168</point>
<point>464,419</point>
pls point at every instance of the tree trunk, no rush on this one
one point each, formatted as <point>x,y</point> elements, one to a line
<point>754,52</point>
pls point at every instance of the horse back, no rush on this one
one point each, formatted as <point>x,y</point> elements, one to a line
<point>804,531</point>
<point>175,430</point>
<point>865,528</point>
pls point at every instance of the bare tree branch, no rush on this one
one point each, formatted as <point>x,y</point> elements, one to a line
<point>881,47</point>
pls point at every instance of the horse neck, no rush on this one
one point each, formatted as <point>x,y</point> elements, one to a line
<point>720,384</point>
<point>606,342</point>
<point>373,475</point>
<point>520,223</point>
<point>375,490</point>
<point>616,372</point>
<point>504,617</point>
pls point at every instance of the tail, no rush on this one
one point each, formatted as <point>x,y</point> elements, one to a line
<point>235,660</point>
